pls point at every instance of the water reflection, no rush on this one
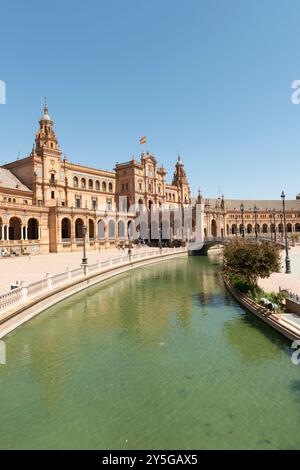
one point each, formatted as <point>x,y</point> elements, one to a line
<point>161,356</point>
<point>248,337</point>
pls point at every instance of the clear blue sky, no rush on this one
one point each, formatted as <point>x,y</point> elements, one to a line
<point>209,78</point>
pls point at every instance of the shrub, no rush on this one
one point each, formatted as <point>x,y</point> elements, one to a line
<point>247,260</point>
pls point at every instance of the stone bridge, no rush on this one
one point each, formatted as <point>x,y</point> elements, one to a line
<point>209,242</point>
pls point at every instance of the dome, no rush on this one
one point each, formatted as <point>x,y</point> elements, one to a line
<point>179,161</point>
<point>46,116</point>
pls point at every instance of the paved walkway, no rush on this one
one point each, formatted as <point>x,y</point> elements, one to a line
<point>285,281</point>
<point>34,268</point>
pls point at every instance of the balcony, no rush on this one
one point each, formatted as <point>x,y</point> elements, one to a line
<point>53,181</point>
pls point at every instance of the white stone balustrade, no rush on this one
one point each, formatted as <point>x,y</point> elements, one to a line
<point>27,292</point>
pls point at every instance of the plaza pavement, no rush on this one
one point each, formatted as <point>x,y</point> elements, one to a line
<point>34,268</point>
<point>285,281</point>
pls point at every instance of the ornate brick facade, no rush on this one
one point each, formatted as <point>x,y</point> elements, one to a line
<point>45,199</point>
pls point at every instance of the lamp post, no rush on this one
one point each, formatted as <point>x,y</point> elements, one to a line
<point>255,221</point>
<point>274,219</point>
<point>287,259</point>
<point>84,260</point>
<point>236,227</point>
<point>243,227</point>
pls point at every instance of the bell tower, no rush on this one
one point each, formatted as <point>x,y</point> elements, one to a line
<point>48,165</point>
<point>180,180</point>
<point>45,139</point>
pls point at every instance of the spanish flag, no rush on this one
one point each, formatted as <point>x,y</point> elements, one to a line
<point>143,140</point>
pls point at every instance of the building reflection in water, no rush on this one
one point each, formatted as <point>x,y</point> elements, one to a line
<point>143,308</point>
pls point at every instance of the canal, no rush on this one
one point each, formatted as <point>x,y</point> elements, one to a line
<point>161,357</point>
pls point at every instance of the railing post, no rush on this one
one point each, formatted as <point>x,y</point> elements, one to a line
<point>24,287</point>
<point>49,280</point>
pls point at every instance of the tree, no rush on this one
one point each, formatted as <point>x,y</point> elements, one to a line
<point>249,260</point>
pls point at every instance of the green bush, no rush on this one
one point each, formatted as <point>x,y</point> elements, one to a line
<point>248,260</point>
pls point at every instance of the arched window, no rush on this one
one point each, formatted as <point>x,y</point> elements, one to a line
<point>289,228</point>
<point>130,227</point>
<point>249,228</point>
<point>97,186</point>
<point>104,186</point>
<point>91,185</point>
<point>32,229</point>
<point>15,228</point>
<point>75,182</point>
<point>213,228</point>
<point>141,204</point>
<point>78,228</point>
<point>111,229</point>
<point>297,228</point>
<point>121,229</point>
<point>91,229</point>
<point>265,228</point>
<point>83,183</point>
<point>65,229</point>
<point>101,229</point>
<point>110,187</point>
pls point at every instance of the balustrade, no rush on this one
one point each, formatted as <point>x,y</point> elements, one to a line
<point>26,292</point>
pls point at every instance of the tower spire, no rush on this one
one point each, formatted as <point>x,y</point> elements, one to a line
<point>45,105</point>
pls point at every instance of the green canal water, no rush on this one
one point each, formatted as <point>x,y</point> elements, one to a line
<point>161,357</point>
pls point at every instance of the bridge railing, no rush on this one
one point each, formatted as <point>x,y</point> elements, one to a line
<point>260,237</point>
